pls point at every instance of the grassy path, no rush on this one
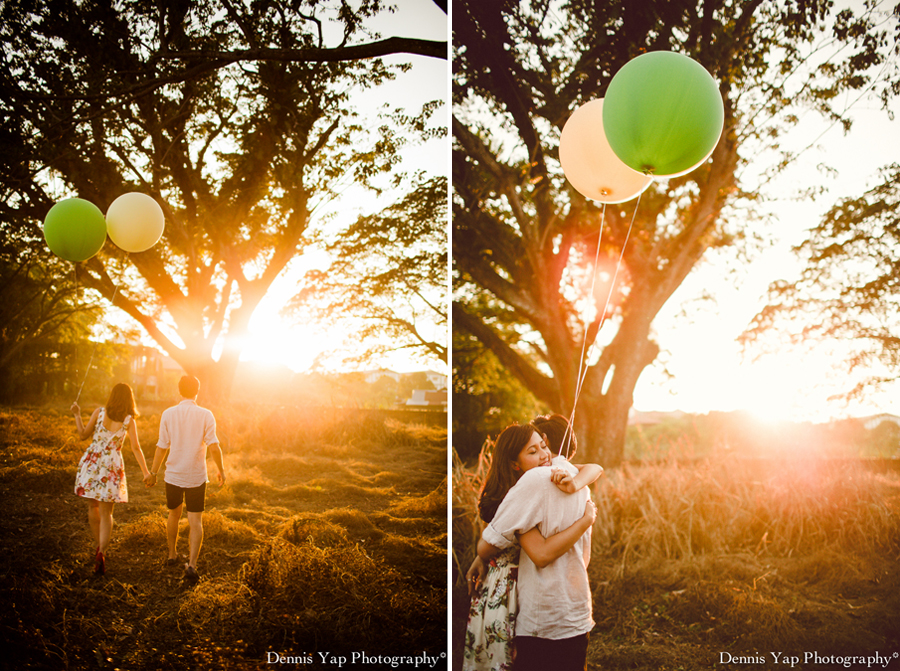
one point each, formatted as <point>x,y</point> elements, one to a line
<point>330,534</point>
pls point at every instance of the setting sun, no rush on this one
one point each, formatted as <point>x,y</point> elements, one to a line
<point>274,340</point>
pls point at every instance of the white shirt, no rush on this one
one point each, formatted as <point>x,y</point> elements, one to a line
<point>185,430</point>
<point>554,601</point>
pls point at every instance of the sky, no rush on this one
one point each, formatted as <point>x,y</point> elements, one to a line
<point>710,370</point>
<point>298,346</point>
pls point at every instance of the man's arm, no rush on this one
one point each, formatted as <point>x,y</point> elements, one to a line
<point>215,451</point>
<point>475,575</point>
<point>486,551</point>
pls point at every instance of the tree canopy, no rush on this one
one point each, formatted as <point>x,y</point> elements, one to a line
<point>849,288</point>
<point>238,118</point>
<point>523,240</point>
<point>388,279</point>
<point>35,301</point>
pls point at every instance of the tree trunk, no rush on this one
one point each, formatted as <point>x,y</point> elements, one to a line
<point>601,411</point>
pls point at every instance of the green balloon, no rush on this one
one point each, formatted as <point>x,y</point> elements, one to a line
<point>663,114</point>
<point>75,229</point>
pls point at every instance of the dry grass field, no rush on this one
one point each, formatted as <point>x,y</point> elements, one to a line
<point>328,538</point>
<point>731,564</point>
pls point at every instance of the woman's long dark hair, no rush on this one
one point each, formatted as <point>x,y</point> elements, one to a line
<point>121,403</point>
<point>501,475</point>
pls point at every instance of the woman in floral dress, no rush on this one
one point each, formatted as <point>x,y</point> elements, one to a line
<point>101,471</point>
<point>492,612</point>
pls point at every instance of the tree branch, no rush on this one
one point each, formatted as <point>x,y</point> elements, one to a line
<point>540,385</point>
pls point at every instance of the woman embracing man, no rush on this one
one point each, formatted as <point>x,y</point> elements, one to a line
<point>531,602</point>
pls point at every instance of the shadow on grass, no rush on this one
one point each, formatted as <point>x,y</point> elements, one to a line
<point>319,546</point>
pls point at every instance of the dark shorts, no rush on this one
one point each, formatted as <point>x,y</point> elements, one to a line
<point>194,498</point>
<point>540,654</point>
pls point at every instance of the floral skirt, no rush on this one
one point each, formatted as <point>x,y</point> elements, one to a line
<point>492,617</point>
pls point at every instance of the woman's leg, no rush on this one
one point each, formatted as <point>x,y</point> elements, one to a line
<point>94,521</point>
<point>106,524</point>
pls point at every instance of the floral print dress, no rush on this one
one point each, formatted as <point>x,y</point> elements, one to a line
<point>101,471</point>
<point>492,616</point>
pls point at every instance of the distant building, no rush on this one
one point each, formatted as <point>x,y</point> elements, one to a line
<point>439,380</point>
<point>875,421</point>
<point>424,398</point>
<point>371,376</point>
<point>152,372</point>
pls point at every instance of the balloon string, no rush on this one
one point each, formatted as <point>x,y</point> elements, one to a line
<point>582,366</point>
<point>581,358</point>
<point>94,348</point>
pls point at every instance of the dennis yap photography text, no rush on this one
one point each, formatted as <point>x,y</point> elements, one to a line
<point>875,660</point>
<point>423,660</point>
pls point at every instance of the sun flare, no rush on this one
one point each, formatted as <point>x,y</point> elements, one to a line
<point>273,340</point>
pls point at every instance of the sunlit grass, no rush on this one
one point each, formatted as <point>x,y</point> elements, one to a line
<point>329,533</point>
<point>693,557</point>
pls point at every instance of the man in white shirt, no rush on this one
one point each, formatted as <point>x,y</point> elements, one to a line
<point>554,617</point>
<point>186,433</point>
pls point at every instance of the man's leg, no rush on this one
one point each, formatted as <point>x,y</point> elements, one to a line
<point>172,529</point>
<point>195,520</point>
<point>194,503</point>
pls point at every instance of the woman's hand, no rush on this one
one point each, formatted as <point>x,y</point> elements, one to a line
<point>590,511</point>
<point>76,409</point>
<point>475,575</point>
<point>563,479</point>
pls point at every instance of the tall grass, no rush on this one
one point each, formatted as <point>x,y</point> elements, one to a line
<point>330,534</point>
<point>689,559</point>
<point>467,526</point>
<point>669,511</point>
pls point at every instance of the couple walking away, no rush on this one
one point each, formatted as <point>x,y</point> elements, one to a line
<point>186,433</point>
<point>531,602</point>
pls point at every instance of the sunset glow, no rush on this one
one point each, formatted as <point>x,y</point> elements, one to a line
<point>277,341</point>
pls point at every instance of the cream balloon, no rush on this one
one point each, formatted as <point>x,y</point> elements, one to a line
<point>590,164</point>
<point>135,222</point>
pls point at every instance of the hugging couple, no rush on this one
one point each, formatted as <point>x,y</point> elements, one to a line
<point>532,609</point>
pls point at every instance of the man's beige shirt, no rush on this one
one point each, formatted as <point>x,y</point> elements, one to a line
<point>185,430</point>
<point>555,601</point>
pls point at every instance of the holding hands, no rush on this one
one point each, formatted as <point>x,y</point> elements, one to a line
<point>79,425</point>
<point>150,479</point>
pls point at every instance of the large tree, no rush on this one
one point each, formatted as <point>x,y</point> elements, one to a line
<point>236,117</point>
<point>523,240</point>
